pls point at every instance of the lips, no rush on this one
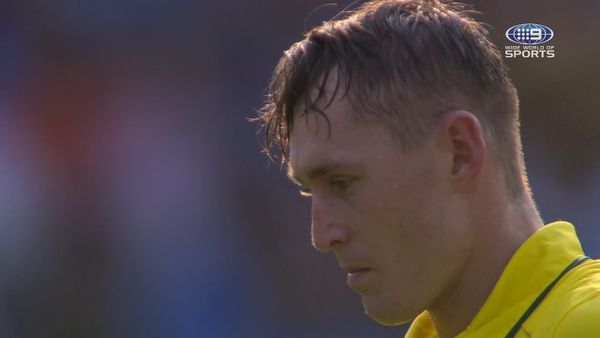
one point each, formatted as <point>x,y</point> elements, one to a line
<point>358,278</point>
<point>354,269</point>
<point>357,270</point>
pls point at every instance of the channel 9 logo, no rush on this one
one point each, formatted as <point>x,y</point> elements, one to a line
<point>530,37</point>
<point>529,34</point>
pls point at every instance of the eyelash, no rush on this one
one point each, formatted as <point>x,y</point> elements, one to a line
<point>341,185</point>
<point>305,192</point>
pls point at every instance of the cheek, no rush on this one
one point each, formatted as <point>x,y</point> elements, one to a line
<point>402,207</point>
<point>400,214</point>
<point>407,223</point>
<point>399,226</point>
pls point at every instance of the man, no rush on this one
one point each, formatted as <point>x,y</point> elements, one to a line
<point>400,122</point>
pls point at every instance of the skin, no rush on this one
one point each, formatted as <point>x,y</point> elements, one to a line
<point>428,229</point>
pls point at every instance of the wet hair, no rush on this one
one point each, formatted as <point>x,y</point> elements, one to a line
<point>404,62</point>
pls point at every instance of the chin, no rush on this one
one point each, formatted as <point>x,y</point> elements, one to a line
<point>388,313</point>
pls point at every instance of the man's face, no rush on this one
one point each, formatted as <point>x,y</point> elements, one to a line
<point>389,216</point>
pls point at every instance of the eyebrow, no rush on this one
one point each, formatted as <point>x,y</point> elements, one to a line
<point>319,171</point>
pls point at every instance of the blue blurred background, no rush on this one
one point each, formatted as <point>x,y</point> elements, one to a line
<point>134,201</point>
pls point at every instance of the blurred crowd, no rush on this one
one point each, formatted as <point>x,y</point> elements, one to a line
<point>134,201</point>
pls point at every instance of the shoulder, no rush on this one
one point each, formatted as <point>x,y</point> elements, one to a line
<point>581,308</point>
<point>580,320</point>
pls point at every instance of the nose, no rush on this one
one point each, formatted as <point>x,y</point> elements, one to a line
<point>327,228</point>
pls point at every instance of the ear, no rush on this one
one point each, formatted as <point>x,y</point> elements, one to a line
<point>460,134</point>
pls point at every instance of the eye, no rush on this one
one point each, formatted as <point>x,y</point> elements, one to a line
<point>341,184</point>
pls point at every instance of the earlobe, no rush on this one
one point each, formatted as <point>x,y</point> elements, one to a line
<point>461,135</point>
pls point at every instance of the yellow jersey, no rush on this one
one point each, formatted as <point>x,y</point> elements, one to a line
<point>571,308</point>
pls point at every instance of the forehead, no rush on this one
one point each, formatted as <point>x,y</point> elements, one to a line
<point>345,142</point>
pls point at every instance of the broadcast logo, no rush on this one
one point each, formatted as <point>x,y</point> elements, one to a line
<point>530,37</point>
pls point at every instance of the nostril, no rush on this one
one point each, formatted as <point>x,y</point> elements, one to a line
<point>328,236</point>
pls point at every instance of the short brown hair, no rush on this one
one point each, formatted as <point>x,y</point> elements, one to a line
<point>405,62</point>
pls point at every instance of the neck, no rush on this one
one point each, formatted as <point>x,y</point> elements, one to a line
<point>498,234</point>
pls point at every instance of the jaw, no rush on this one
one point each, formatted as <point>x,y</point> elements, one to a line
<point>389,312</point>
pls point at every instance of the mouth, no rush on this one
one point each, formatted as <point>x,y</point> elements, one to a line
<point>356,270</point>
<point>358,278</point>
